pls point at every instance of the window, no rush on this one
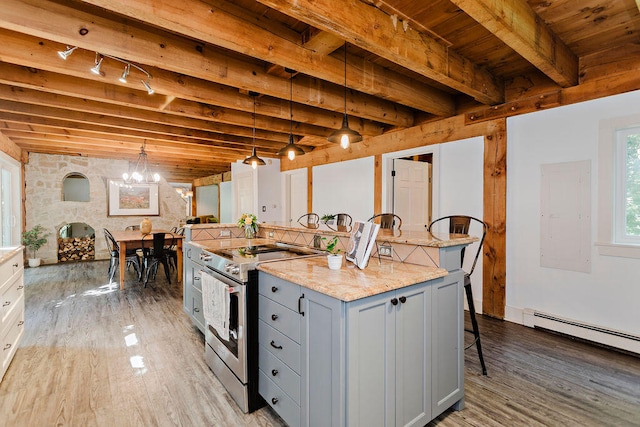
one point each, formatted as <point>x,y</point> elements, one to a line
<point>9,201</point>
<point>627,186</point>
<point>619,187</point>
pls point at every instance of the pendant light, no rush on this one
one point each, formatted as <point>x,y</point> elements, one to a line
<point>254,160</point>
<point>142,173</point>
<point>291,149</point>
<point>344,135</point>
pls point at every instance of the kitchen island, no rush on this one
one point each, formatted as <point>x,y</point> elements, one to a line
<point>350,347</point>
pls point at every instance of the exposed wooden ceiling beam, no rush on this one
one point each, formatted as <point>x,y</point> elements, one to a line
<point>210,22</point>
<point>518,26</point>
<point>371,29</point>
<point>33,52</point>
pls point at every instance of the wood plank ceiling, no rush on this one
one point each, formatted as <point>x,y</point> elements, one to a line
<point>408,62</point>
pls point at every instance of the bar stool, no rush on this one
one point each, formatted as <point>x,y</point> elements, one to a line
<point>459,224</point>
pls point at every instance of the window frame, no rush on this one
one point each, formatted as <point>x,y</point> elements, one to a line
<point>607,242</point>
<point>620,177</point>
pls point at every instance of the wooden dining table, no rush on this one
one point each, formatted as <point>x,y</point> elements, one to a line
<point>132,239</point>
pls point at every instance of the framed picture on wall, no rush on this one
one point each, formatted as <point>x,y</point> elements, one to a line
<point>132,199</point>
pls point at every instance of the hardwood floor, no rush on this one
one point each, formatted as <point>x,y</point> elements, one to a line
<point>97,356</point>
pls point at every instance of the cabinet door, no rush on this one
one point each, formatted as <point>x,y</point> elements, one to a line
<point>413,355</point>
<point>371,361</point>
<point>448,343</point>
<point>187,283</point>
<point>323,360</point>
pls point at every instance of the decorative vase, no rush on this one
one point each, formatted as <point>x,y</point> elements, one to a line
<point>145,226</point>
<point>334,261</point>
<point>249,232</point>
<point>34,262</point>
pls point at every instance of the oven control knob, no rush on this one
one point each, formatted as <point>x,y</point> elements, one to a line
<point>232,268</point>
<point>205,257</point>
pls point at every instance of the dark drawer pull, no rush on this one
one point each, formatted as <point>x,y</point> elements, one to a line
<point>274,400</point>
<point>15,265</point>
<point>7,347</point>
<point>274,372</point>
<point>403,299</point>
<point>273,344</point>
<point>274,317</point>
<point>394,301</point>
<point>196,310</point>
<point>196,278</point>
<point>20,287</point>
<point>20,323</point>
<point>6,303</point>
<point>274,289</point>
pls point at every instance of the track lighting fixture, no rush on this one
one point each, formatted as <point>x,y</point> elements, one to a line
<point>125,73</point>
<point>254,160</point>
<point>291,149</point>
<point>345,135</point>
<point>64,54</point>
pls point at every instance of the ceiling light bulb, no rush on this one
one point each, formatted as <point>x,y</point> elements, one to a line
<point>344,141</point>
<point>254,164</point>
<point>156,177</point>
<point>291,154</point>
<point>125,176</point>
<point>96,69</point>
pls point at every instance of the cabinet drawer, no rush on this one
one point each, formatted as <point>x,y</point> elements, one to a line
<point>10,338</point>
<point>9,267</point>
<point>278,400</point>
<point>283,376</point>
<point>11,296</point>
<point>279,345</point>
<point>279,317</point>
<point>281,291</point>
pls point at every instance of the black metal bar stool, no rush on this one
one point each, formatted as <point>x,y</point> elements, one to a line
<point>459,224</point>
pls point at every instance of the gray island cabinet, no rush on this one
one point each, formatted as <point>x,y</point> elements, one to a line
<point>393,358</point>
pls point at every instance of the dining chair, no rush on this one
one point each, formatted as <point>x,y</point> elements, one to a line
<point>387,221</point>
<point>309,220</point>
<point>154,253</point>
<point>131,257</point>
<point>132,227</point>
<point>460,224</point>
<point>172,249</point>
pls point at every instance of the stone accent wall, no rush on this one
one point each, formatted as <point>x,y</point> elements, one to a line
<point>44,205</point>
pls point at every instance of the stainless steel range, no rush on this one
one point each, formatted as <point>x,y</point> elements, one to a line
<point>235,360</point>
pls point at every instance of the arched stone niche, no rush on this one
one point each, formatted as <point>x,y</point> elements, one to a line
<point>75,188</point>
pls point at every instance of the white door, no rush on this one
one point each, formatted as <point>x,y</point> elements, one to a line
<point>411,193</point>
<point>297,195</point>
<point>244,193</point>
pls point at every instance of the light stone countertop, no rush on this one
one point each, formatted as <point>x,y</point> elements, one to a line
<point>6,253</point>
<point>350,283</point>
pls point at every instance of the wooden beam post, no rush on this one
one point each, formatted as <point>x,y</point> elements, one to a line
<point>495,213</point>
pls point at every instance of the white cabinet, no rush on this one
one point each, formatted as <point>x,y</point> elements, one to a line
<point>392,359</point>
<point>11,305</point>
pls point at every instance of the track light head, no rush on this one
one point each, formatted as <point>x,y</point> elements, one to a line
<point>149,89</point>
<point>64,54</point>
<point>125,73</point>
<point>96,70</point>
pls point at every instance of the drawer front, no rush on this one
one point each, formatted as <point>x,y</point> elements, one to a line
<point>281,291</point>
<point>11,338</point>
<point>198,312</point>
<point>11,297</point>
<point>283,376</point>
<point>10,267</point>
<point>280,346</point>
<point>279,317</point>
<point>279,401</point>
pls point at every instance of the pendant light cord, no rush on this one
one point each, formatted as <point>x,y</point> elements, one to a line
<point>345,78</point>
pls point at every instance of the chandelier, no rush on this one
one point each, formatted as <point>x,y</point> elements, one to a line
<point>141,174</point>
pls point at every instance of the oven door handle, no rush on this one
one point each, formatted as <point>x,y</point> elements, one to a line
<point>232,289</point>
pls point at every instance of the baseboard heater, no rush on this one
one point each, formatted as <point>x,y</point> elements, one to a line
<point>605,336</point>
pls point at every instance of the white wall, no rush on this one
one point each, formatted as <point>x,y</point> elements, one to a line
<point>344,187</point>
<point>226,202</point>
<point>267,190</point>
<point>608,296</point>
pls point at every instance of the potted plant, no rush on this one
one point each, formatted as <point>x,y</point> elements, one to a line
<point>328,218</point>
<point>33,240</point>
<point>334,258</point>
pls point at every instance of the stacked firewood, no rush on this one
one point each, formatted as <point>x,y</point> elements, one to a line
<point>76,248</point>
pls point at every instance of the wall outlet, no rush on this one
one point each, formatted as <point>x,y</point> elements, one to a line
<point>225,233</point>
<point>271,234</point>
<point>386,250</point>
